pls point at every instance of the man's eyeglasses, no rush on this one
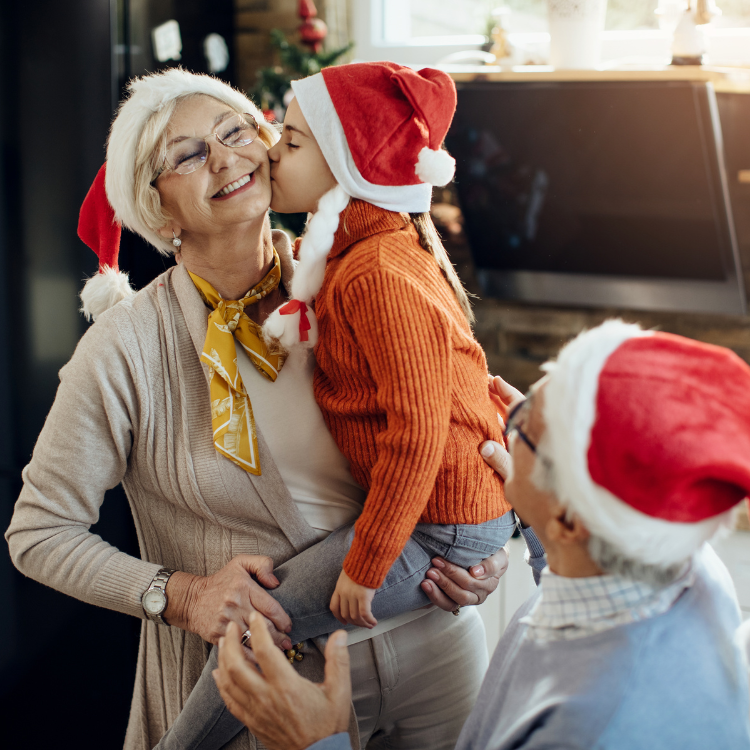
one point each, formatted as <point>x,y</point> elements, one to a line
<point>515,420</point>
<point>189,154</point>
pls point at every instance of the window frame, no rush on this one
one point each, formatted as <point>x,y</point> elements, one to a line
<point>647,47</point>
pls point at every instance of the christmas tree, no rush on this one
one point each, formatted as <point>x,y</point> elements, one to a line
<point>298,60</point>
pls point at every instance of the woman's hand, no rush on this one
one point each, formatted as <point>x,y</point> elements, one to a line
<point>447,585</point>
<point>206,605</point>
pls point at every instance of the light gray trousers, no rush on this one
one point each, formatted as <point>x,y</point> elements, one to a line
<point>307,583</point>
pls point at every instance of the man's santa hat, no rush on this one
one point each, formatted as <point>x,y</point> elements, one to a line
<point>111,201</point>
<point>380,127</point>
<point>649,438</point>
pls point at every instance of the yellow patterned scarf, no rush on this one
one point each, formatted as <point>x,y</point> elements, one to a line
<point>231,413</point>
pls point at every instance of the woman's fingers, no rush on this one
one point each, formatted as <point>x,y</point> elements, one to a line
<point>497,457</point>
<point>436,596</point>
<point>261,566</point>
<point>264,603</point>
<point>491,567</point>
<point>458,584</point>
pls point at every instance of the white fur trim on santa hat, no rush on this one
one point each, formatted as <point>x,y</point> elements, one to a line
<point>148,95</point>
<point>317,242</point>
<point>569,414</point>
<point>317,107</point>
<point>435,167</point>
<point>104,290</point>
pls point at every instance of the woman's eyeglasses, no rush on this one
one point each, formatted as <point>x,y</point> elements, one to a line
<point>515,420</point>
<point>189,154</point>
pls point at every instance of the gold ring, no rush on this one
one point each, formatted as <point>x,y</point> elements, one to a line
<point>457,610</point>
<point>245,637</point>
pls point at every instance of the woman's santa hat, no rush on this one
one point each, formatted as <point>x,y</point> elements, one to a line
<point>111,202</point>
<point>380,127</point>
<point>649,438</point>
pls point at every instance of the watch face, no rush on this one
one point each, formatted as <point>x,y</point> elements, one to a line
<point>154,602</point>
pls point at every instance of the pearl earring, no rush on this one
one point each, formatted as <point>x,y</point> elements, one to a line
<point>176,241</point>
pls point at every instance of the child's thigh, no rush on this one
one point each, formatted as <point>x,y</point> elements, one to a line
<point>465,544</point>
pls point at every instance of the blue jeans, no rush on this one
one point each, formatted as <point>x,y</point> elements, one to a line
<point>307,582</point>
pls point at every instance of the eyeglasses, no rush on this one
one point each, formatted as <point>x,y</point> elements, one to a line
<point>515,417</point>
<point>190,154</point>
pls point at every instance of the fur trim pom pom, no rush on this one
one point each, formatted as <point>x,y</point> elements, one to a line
<point>435,167</point>
<point>104,290</point>
<point>285,329</point>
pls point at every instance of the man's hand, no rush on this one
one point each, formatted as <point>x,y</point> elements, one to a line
<point>282,709</point>
<point>503,394</point>
<point>351,603</point>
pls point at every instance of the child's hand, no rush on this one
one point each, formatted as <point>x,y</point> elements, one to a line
<point>350,603</point>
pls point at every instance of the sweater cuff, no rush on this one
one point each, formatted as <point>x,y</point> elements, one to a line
<point>334,742</point>
<point>122,581</point>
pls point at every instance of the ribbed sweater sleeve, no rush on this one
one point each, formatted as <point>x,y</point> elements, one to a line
<point>82,452</point>
<point>406,341</point>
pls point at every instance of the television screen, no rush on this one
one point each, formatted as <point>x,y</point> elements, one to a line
<point>593,193</point>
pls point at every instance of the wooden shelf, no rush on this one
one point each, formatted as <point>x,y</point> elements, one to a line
<point>725,80</point>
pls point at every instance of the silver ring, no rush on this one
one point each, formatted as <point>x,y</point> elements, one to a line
<point>245,637</point>
<point>457,610</point>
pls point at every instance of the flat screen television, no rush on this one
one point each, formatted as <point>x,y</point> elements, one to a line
<point>603,194</point>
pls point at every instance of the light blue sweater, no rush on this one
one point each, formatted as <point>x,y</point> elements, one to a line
<point>672,682</point>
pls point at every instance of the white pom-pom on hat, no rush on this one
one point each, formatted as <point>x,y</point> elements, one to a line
<point>435,167</point>
<point>104,290</point>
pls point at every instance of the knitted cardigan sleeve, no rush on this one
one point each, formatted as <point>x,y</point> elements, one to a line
<point>406,340</point>
<point>82,452</point>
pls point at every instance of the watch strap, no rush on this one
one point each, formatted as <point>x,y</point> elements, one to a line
<point>159,583</point>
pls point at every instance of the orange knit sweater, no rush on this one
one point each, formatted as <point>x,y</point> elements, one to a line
<point>402,384</point>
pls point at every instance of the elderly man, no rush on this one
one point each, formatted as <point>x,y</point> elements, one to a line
<point>627,457</point>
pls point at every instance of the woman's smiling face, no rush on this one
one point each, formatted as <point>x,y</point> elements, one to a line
<point>198,202</point>
<point>300,175</point>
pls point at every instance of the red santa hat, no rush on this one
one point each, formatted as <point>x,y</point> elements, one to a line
<point>649,438</point>
<point>98,228</point>
<point>380,127</point>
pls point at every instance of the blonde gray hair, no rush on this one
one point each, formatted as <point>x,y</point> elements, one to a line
<point>150,154</point>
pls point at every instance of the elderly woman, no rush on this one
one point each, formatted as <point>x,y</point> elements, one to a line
<point>224,455</point>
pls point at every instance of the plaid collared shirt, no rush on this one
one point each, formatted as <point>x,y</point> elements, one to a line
<point>571,608</point>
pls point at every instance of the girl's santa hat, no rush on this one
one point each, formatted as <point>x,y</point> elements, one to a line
<point>111,202</point>
<point>380,127</point>
<point>648,435</point>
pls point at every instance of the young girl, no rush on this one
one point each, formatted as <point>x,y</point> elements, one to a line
<point>400,379</point>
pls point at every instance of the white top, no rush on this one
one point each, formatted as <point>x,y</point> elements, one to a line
<point>311,464</point>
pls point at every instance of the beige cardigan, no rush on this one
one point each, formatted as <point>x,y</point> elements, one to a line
<point>133,407</point>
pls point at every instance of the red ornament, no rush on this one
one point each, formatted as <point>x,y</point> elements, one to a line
<point>307,9</point>
<point>312,31</point>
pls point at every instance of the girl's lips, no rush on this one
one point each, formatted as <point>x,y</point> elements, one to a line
<point>243,189</point>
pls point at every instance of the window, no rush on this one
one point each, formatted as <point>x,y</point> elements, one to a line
<point>426,31</point>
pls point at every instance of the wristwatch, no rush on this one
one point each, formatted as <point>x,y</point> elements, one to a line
<point>154,599</point>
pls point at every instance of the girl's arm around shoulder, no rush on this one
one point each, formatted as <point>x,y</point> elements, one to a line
<point>82,451</point>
